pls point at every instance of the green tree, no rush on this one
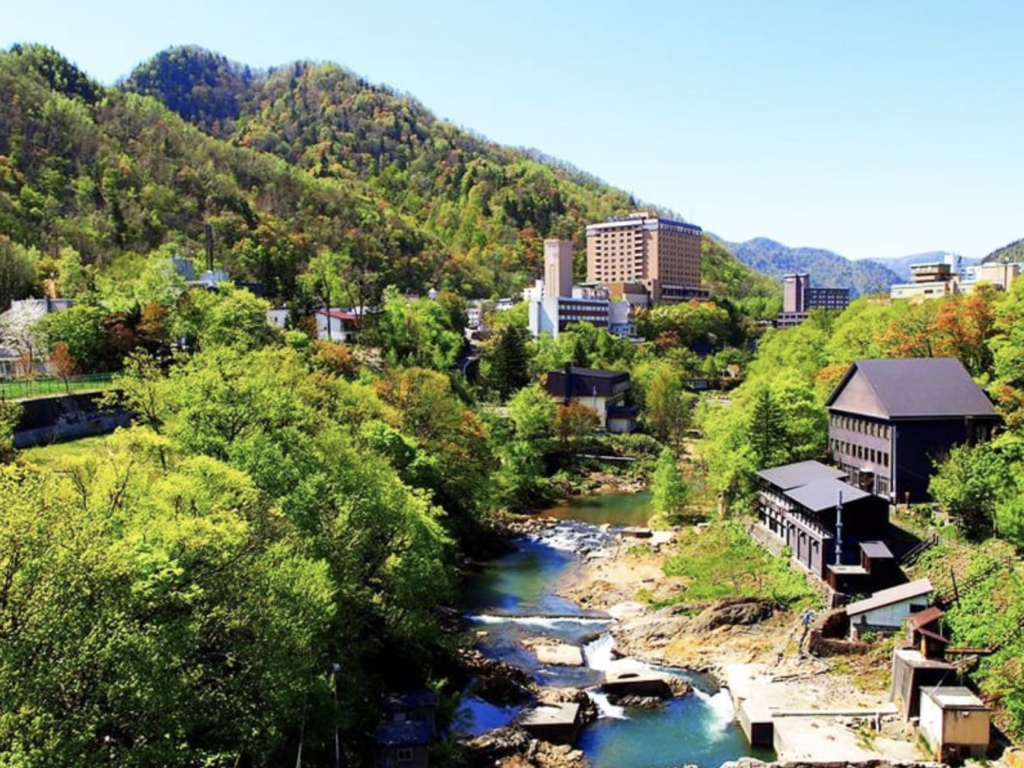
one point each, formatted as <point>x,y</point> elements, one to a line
<point>508,370</point>
<point>670,492</point>
<point>532,411</point>
<point>968,485</point>
<point>769,438</point>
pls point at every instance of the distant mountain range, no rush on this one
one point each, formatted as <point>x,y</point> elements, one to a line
<point>827,269</point>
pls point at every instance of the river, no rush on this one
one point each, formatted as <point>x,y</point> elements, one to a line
<point>511,600</point>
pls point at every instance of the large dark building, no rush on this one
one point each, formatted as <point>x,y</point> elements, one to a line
<point>799,503</point>
<point>799,298</point>
<point>890,420</point>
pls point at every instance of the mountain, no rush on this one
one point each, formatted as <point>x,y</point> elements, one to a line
<point>278,166</point>
<point>827,269</point>
<point>1008,253</point>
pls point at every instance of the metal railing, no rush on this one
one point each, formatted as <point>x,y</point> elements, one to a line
<point>49,386</point>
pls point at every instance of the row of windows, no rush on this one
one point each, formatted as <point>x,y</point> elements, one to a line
<point>860,452</point>
<point>860,425</point>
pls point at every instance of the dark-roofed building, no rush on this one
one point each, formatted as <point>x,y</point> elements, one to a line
<point>603,391</point>
<point>890,420</point>
<point>798,503</point>
<point>409,726</point>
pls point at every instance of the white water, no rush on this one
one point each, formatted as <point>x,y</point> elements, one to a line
<point>600,655</point>
<point>605,708</point>
<point>540,622</point>
<point>721,707</point>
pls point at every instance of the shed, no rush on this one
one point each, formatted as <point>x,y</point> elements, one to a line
<point>923,632</point>
<point>910,673</point>
<point>886,610</point>
<point>403,743</point>
<point>955,723</point>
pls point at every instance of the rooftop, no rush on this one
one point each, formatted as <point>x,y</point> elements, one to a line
<point>954,697</point>
<point>935,387</point>
<point>890,596</point>
<point>825,494</point>
<point>801,473</point>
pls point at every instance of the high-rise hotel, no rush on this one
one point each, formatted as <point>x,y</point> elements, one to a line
<point>661,254</point>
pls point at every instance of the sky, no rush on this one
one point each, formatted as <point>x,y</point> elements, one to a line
<point>873,129</point>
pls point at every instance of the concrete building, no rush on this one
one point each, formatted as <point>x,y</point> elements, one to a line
<point>557,267</point>
<point>955,723</point>
<point>661,254</point>
<point>999,276</point>
<point>553,314</point>
<point>930,280</point>
<point>798,298</point>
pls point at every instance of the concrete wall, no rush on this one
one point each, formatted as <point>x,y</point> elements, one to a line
<point>65,417</point>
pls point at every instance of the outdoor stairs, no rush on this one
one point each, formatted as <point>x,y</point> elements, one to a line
<point>912,555</point>
<point>951,594</point>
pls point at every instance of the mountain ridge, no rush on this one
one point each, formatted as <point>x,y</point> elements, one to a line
<point>827,269</point>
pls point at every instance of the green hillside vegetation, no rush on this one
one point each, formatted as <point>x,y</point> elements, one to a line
<point>281,168</point>
<point>1009,253</point>
<point>827,269</point>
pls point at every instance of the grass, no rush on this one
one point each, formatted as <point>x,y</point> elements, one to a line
<point>721,560</point>
<point>55,453</point>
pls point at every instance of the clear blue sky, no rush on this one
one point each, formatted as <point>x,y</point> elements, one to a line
<point>870,128</point>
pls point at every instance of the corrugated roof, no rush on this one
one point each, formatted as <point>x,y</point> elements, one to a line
<point>824,494</point>
<point>889,596</point>
<point>801,473</point>
<point>920,387</point>
<point>925,617</point>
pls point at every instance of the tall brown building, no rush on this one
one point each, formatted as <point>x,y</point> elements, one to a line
<point>661,254</point>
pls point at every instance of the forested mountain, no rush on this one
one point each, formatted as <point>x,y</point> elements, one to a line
<point>1008,253</point>
<point>279,167</point>
<point>827,269</point>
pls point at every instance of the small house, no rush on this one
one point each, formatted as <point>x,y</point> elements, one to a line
<point>603,391</point>
<point>886,610</point>
<point>409,726</point>
<point>911,673</point>
<point>923,633</point>
<point>336,325</point>
<point>955,723</point>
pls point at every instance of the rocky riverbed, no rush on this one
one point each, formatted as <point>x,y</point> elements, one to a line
<point>740,640</point>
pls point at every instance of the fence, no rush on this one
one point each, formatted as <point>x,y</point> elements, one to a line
<point>45,386</point>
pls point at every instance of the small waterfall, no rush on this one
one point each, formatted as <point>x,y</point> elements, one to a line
<point>605,708</point>
<point>721,707</point>
<point>600,655</point>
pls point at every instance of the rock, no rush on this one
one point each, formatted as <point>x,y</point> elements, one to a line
<point>562,654</point>
<point>731,611</point>
<point>629,609</point>
<point>488,749</point>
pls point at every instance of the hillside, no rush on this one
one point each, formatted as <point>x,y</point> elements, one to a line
<point>280,166</point>
<point>827,269</point>
<point>1007,254</point>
